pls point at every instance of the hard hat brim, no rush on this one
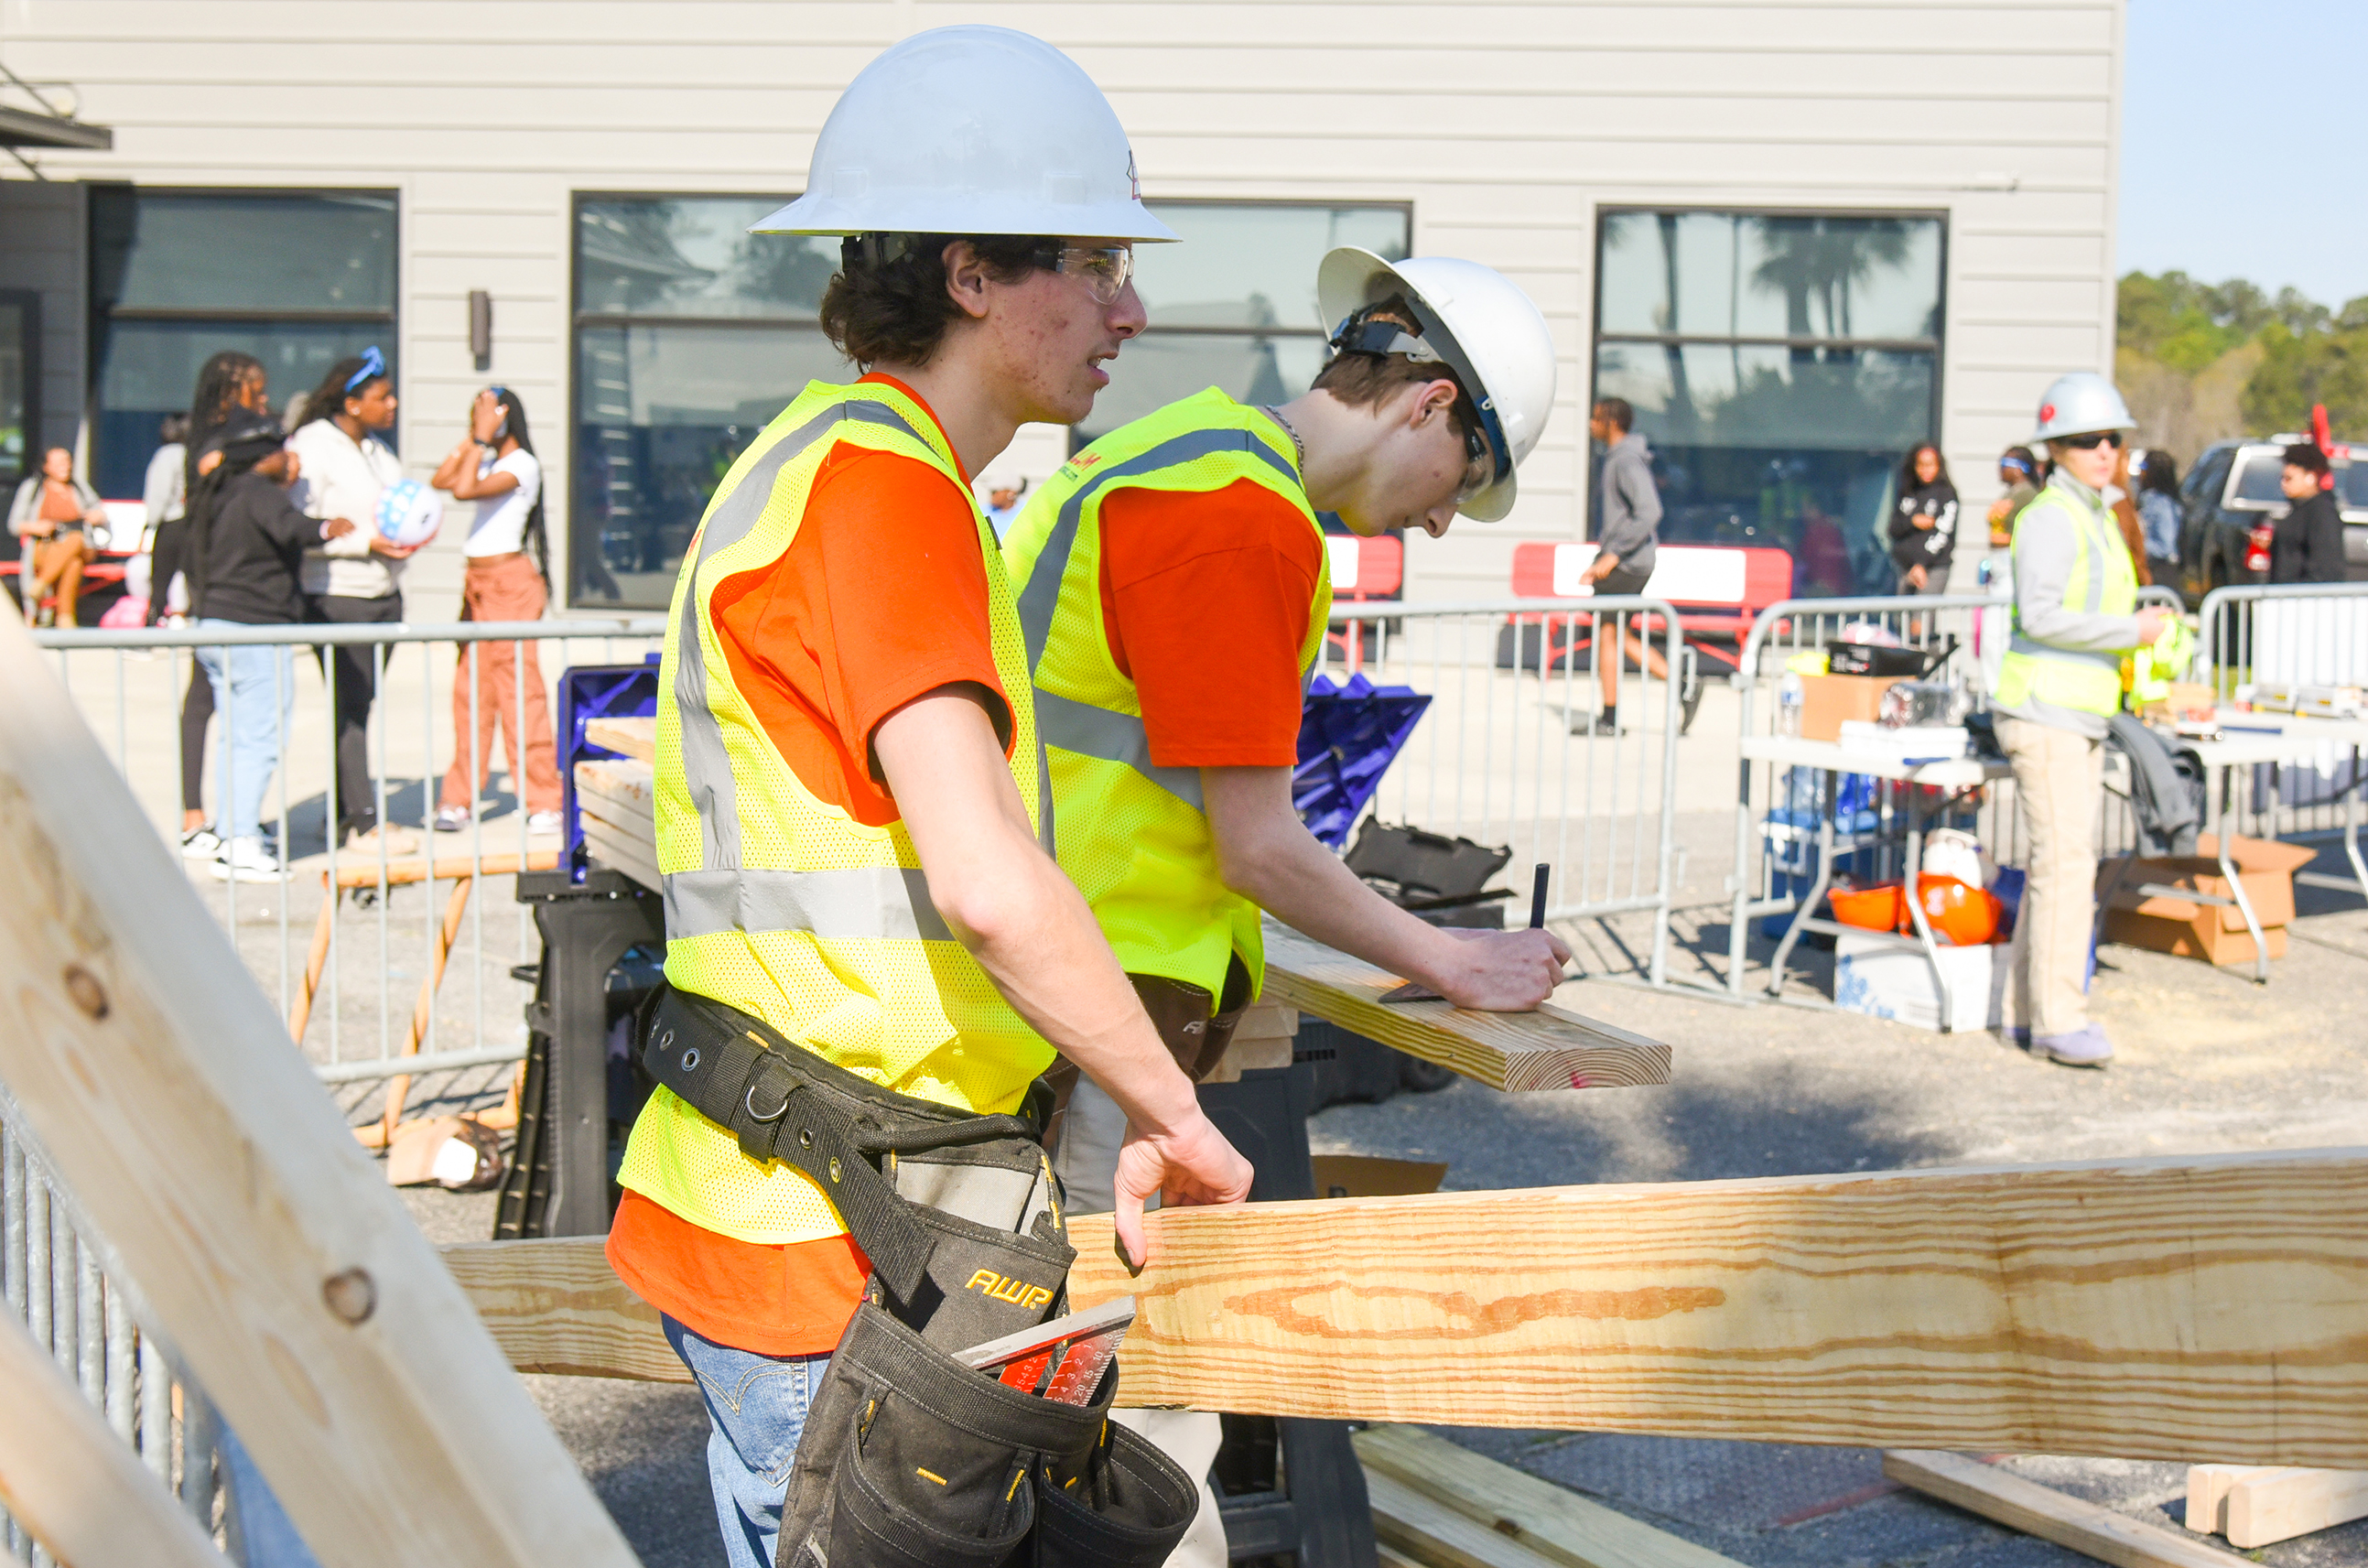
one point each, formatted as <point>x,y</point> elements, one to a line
<point>929,213</point>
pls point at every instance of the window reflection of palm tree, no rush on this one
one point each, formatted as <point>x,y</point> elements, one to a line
<point>1816,260</point>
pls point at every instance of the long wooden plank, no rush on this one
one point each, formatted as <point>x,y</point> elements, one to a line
<point>2267,1505</point>
<point>76,1487</point>
<point>1554,1522</point>
<point>2048,1513</point>
<point>633,737</point>
<point>267,1246</point>
<point>554,1305</point>
<point>1505,1051</point>
<point>635,856</point>
<point>2197,1307</point>
<point>1437,1536</point>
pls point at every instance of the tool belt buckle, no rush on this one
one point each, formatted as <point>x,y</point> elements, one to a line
<point>764,1104</point>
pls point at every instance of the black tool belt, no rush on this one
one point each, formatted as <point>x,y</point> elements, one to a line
<point>908,1457</point>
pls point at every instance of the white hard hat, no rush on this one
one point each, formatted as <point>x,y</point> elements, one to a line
<point>2081,403</point>
<point>971,131</point>
<point>1478,323</point>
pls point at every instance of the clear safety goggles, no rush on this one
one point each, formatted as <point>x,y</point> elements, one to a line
<point>1103,269</point>
<point>1479,465</point>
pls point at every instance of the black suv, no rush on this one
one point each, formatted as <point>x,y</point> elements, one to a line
<point>2230,503</point>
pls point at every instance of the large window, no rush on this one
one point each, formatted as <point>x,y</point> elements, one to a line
<point>1234,306</point>
<point>1782,365</point>
<point>298,278</point>
<point>20,385</point>
<point>691,334</point>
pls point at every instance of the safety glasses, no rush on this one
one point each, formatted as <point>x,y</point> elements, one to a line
<point>1479,465</point>
<point>2089,443</point>
<point>1103,269</point>
<point>373,366</point>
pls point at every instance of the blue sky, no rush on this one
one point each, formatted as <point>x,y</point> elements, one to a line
<point>2231,112</point>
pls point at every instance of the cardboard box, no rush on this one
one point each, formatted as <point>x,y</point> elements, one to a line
<point>1827,700</point>
<point>2214,932</point>
<point>1886,981</point>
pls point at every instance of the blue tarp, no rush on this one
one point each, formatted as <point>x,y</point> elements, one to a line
<point>1348,735</point>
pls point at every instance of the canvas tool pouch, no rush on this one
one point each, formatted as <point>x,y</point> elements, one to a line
<point>908,1457</point>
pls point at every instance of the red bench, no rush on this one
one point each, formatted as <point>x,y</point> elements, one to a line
<point>1718,590</point>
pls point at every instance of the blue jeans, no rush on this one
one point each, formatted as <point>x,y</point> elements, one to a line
<point>254,698</point>
<point>756,1411</point>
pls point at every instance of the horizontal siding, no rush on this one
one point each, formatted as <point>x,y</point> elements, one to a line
<point>1507,126</point>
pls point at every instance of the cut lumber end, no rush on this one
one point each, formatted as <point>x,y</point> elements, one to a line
<point>2266,1505</point>
<point>2042,1511</point>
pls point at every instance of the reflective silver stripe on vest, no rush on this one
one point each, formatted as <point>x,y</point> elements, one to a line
<point>2089,528</point>
<point>1095,731</point>
<point>706,765</point>
<point>867,901</point>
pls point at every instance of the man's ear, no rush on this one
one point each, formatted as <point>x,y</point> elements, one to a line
<point>967,276</point>
<point>1435,398</point>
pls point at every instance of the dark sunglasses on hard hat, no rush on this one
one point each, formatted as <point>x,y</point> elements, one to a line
<point>2091,441</point>
<point>1103,269</point>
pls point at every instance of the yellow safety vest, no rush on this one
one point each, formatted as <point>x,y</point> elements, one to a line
<point>2102,582</point>
<point>785,906</point>
<point>1130,834</point>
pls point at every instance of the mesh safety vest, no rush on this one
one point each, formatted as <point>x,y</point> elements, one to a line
<point>785,906</point>
<point>1130,835</point>
<point>2102,582</point>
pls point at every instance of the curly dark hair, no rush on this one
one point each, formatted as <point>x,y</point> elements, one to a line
<point>887,303</point>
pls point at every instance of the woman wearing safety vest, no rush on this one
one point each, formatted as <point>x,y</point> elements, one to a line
<point>2076,614</point>
<point>1173,589</point>
<point>870,956</point>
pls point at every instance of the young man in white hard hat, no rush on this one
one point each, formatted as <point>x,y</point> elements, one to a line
<point>871,957</point>
<point>2076,614</point>
<point>1173,587</point>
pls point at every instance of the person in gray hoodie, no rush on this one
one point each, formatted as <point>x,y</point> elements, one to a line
<point>1627,538</point>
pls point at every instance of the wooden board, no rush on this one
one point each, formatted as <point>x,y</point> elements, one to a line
<point>1554,1522</point>
<point>231,1197</point>
<point>636,857</point>
<point>76,1487</point>
<point>1504,1051</point>
<point>2207,1496</point>
<point>633,737</point>
<point>2266,1505</point>
<point>2206,1306</point>
<point>621,789</point>
<point>555,1306</point>
<point>1410,1523</point>
<point>2048,1513</point>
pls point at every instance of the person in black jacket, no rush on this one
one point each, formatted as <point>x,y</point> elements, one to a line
<point>2308,545</point>
<point>1923,526</point>
<point>253,543</point>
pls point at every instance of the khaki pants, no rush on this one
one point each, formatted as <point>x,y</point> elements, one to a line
<point>2058,778</point>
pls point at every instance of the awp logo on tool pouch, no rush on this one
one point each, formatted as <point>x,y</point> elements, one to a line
<point>1001,1287</point>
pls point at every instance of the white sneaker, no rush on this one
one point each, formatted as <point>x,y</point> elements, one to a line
<point>200,844</point>
<point>544,821</point>
<point>452,819</point>
<point>247,860</point>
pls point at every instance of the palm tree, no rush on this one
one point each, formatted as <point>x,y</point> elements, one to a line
<point>1815,260</point>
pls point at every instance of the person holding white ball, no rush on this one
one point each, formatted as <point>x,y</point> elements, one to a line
<point>355,578</point>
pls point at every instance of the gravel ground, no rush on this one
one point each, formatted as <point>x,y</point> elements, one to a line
<point>2208,1062</point>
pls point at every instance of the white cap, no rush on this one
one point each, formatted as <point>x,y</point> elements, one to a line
<point>1477,322</point>
<point>2081,403</point>
<point>971,131</point>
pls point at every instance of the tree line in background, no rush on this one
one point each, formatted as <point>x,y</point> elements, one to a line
<point>2200,362</point>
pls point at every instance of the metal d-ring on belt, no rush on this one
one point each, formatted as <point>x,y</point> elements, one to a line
<point>744,1075</point>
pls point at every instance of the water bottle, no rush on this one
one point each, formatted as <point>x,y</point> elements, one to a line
<point>1791,692</point>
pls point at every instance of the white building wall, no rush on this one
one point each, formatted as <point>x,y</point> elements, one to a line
<point>1506,125</point>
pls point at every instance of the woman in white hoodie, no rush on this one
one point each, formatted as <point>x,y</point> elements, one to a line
<point>355,579</point>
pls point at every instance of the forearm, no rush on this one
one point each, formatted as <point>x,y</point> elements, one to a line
<point>1293,878</point>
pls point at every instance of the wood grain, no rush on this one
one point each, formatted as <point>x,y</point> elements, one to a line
<point>1554,1522</point>
<point>2207,1496</point>
<point>633,737</point>
<point>636,857</point>
<point>1513,1051</point>
<point>554,1305</point>
<point>621,792</point>
<point>2048,1513</point>
<point>231,1193</point>
<point>2267,1505</point>
<point>1432,1533</point>
<point>2200,1308</point>
<point>76,1487</point>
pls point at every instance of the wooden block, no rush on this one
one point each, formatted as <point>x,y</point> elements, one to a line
<point>231,1197</point>
<point>1267,1020</point>
<point>2048,1513</point>
<point>555,1305</point>
<point>1504,1051</point>
<point>1363,1175</point>
<point>633,737</point>
<point>2207,1496</point>
<point>2196,1308</point>
<point>73,1485</point>
<point>1556,1524</point>
<point>636,857</point>
<point>626,780</point>
<point>2266,1505</point>
<point>1409,1522</point>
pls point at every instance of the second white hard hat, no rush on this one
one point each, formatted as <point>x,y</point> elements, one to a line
<point>2081,403</point>
<point>1480,324</point>
<point>971,131</point>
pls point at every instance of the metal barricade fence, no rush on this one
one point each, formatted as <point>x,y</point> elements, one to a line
<point>2299,635</point>
<point>1496,759</point>
<point>1771,874</point>
<point>386,965</point>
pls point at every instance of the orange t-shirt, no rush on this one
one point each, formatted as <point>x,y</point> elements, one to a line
<point>1205,595</point>
<point>879,598</point>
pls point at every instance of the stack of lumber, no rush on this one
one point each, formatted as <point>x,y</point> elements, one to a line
<point>2256,1505</point>
<point>617,802</point>
<point>1441,1506</point>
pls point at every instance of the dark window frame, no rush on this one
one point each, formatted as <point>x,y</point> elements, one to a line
<point>28,301</point>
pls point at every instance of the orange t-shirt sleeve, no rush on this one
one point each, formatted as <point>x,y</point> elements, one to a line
<point>1206,595</point>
